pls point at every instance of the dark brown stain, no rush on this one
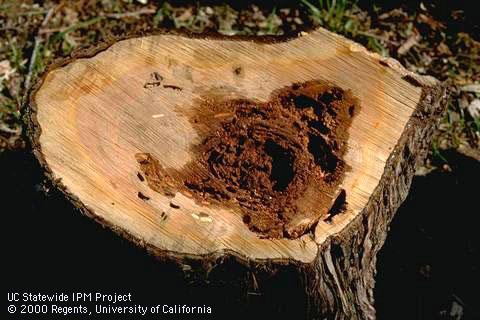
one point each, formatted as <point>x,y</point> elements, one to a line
<point>171,86</point>
<point>410,79</point>
<point>259,158</point>
<point>142,196</point>
<point>157,178</point>
<point>164,216</point>
<point>238,71</point>
<point>174,205</point>
<point>384,63</point>
<point>155,80</point>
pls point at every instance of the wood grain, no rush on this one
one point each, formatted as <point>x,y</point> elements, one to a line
<point>96,114</point>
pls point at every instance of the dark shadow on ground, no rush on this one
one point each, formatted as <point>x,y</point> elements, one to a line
<point>429,267</point>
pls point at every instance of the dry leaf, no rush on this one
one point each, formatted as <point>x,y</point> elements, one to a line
<point>407,45</point>
<point>434,24</point>
<point>442,48</point>
<point>474,108</point>
<point>474,87</point>
<point>6,71</point>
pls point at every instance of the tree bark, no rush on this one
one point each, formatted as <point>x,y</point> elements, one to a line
<point>116,128</point>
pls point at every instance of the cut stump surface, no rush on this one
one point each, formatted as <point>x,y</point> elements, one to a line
<point>285,152</point>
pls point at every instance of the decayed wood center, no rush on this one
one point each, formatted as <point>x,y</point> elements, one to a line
<point>265,160</point>
<point>290,154</point>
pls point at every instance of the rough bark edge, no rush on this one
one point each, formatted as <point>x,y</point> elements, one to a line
<point>339,282</point>
<point>347,273</point>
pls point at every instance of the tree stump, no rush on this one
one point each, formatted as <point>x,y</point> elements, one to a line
<point>271,165</point>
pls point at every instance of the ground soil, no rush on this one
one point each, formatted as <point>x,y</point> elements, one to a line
<point>264,160</point>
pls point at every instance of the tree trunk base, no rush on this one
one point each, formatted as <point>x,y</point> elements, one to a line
<point>325,267</point>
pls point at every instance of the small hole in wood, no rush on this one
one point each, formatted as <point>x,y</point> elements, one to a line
<point>142,196</point>
<point>339,205</point>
